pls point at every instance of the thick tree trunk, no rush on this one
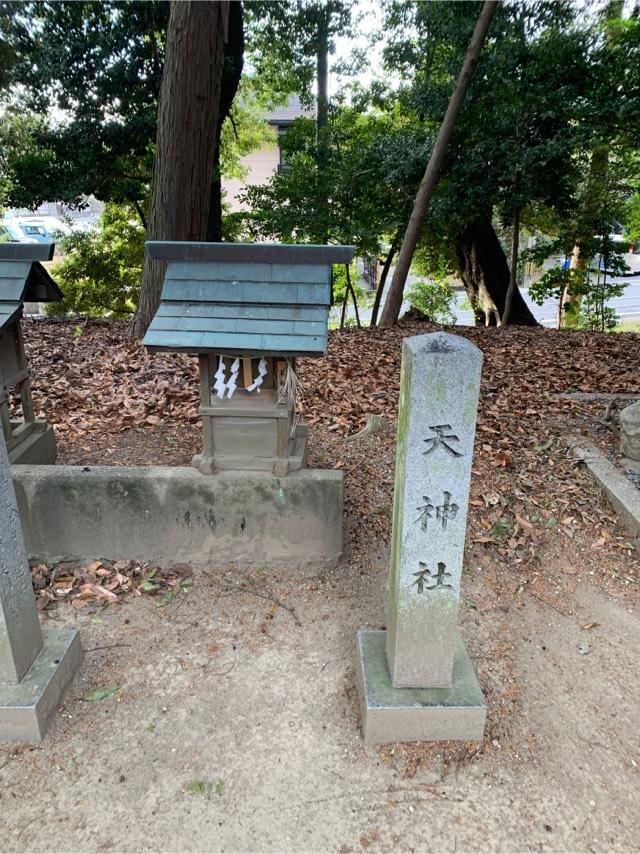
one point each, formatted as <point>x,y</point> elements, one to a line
<point>393,304</point>
<point>231,74</point>
<point>185,142</point>
<point>484,272</point>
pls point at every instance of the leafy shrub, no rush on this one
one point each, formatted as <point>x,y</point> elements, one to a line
<point>434,300</point>
<point>340,285</point>
<point>100,273</point>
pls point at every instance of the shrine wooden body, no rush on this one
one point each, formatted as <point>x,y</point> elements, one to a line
<point>248,311</point>
<point>22,277</point>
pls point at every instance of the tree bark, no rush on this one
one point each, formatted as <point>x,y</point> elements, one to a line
<point>429,182</point>
<point>185,141</point>
<point>383,279</point>
<point>231,74</point>
<point>485,274</point>
<point>513,273</point>
<point>322,115</point>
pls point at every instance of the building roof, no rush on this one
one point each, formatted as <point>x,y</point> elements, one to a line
<point>292,110</point>
<point>244,299</point>
<point>22,277</point>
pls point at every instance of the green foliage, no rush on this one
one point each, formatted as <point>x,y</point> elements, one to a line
<point>433,299</point>
<point>593,287</point>
<point>368,178</point>
<point>100,273</point>
<point>284,37</point>
<point>99,65</point>
<point>339,289</point>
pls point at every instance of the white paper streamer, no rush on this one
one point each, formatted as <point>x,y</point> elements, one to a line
<point>262,372</point>
<point>219,386</point>
<point>233,379</point>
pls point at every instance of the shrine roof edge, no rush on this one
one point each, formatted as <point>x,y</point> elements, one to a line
<point>276,253</point>
<point>26,251</point>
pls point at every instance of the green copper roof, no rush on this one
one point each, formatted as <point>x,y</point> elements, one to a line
<point>244,299</point>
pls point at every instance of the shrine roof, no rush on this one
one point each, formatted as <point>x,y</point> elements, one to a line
<point>23,278</point>
<point>244,299</point>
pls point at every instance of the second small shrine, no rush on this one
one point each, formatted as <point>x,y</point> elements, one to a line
<point>22,279</point>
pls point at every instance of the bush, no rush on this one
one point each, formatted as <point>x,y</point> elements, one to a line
<point>340,285</point>
<point>100,273</point>
<point>434,300</point>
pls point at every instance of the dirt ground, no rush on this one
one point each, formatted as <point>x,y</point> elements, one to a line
<point>234,723</point>
<point>235,729</point>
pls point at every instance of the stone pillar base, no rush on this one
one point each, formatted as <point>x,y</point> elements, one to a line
<point>389,714</point>
<point>26,709</point>
<point>33,444</point>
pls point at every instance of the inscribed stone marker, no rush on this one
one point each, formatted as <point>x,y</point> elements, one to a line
<point>416,680</point>
<point>439,387</point>
<point>35,666</point>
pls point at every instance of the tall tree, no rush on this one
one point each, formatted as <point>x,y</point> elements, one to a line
<point>185,145</point>
<point>514,145</point>
<point>393,304</point>
<point>291,45</point>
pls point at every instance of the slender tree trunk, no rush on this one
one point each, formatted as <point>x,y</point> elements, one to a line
<point>429,182</point>
<point>231,74</point>
<point>322,119</point>
<point>485,274</point>
<point>185,142</point>
<point>353,295</point>
<point>513,273</point>
<point>383,279</point>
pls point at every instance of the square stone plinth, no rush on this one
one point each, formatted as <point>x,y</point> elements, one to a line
<point>389,714</point>
<point>26,709</point>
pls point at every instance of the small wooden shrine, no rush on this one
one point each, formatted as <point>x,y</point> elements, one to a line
<point>22,278</point>
<point>248,311</point>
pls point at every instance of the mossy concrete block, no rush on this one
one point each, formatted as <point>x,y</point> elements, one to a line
<point>630,431</point>
<point>38,447</point>
<point>389,714</point>
<point>28,707</point>
<point>177,515</point>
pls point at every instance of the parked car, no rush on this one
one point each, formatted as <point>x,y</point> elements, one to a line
<point>10,232</point>
<point>44,229</point>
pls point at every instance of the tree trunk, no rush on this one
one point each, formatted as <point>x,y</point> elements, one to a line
<point>485,274</point>
<point>185,141</point>
<point>322,117</point>
<point>513,273</point>
<point>429,182</point>
<point>231,74</point>
<point>383,279</point>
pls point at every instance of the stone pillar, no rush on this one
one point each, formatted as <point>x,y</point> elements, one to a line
<point>416,679</point>
<point>35,666</point>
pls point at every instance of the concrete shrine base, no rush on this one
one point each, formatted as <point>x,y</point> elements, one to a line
<point>389,714</point>
<point>26,709</point>
<point>32,444</point>
<point>167,515</point>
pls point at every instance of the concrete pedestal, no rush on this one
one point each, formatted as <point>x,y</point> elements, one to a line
<point>389,714</point>
<point>27,707</point>
<point>33,443</point>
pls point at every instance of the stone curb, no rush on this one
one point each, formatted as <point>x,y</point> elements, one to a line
<point>622,494</point>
